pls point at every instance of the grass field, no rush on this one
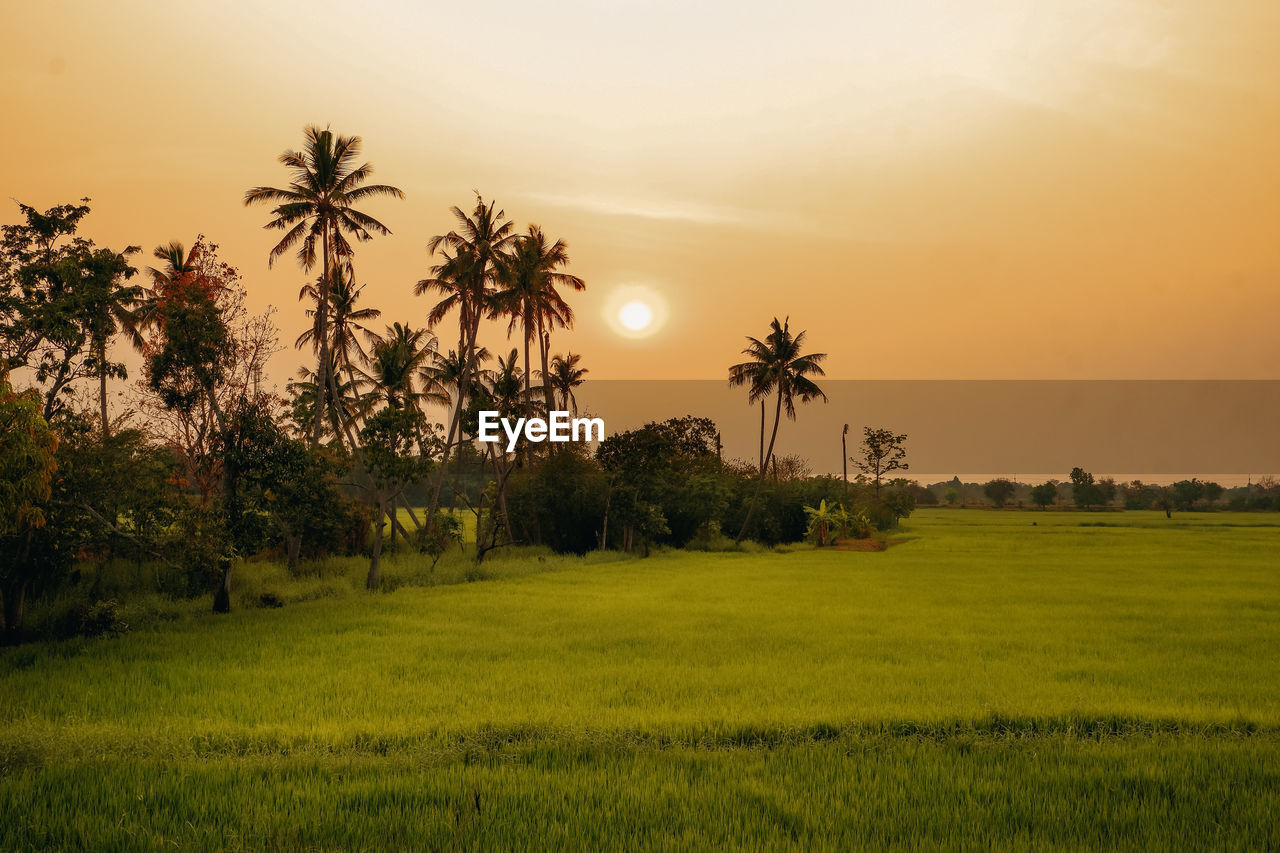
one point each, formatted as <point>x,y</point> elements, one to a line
<point>1106,681</point>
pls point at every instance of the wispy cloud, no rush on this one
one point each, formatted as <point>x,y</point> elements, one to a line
<point>669,210</point>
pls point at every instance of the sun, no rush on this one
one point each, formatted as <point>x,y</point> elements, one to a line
<point>635,315</point>
<point>635,311</point>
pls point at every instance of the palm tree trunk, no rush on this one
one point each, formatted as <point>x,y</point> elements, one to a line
<point>544,347</point>
<point>466,342</point>
<point>501,479</point>
<point>102,385</point>
<point>528,369</point>
<point>604,528</point>
<point>844,454</point>
<point>777,416</point>
<point>322,331</point>
<point>528,390</point>
<point>762,433</point>
<point>344,426</point>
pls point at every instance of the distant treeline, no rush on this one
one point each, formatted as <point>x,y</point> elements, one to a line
<point>1082,491</point>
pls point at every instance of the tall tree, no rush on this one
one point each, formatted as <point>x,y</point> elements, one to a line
<point>529,295</point>
<point>346,323</point>
<point>882,453</point>
<point>203,352</point>
<point>317,210</point>
<point>475,255</point>
<point>777,365</point>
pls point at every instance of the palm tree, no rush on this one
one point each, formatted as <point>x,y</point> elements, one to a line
<point>396,361</point>
<point>346,324</point>
<point>346,321</point>
<point>777,365</point>
<point>442,378</point>
<point>528,295</point>
<point>474,258</point>
<point>506,385</point>
<point>318,206</point>
<point>178,263</point>
<point>306,391</point>
<point>504,391</point>
<point>565,376</point>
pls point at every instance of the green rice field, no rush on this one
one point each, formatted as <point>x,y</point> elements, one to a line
<point>1009,680</point>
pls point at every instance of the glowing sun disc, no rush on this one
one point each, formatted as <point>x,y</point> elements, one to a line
<point>635,311</point>
<point>635,315</point>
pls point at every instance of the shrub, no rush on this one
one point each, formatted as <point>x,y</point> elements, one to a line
<point>435,539</point>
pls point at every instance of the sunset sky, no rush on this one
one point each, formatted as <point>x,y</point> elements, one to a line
<point>969,189</point>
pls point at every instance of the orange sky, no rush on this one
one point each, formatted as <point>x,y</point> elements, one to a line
<point>967,189</point>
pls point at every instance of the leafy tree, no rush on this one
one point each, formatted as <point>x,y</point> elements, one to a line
<point>952,496</point>
<point>434,539</point>
<point>112,494</point>
<point>27,465</point>
<point>33,293</point>
<point>561,502</point>
<point>895,504</point>
<point>204,352</point>
<point>1106,491</point>
<point>1137,495</point>
<point>666,480</point>
<point>1187,493</point>
<point>881,453</point>
<point>193,351</point>
<point>317,210</point>
<point>62,301</point>
<point>1045,494</point>
<point>278,486</point>
<point>1084,491</point>
<point>999,491</point>
<point>203,355</point>
<point>393,459</point>
<point>777,365</point>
